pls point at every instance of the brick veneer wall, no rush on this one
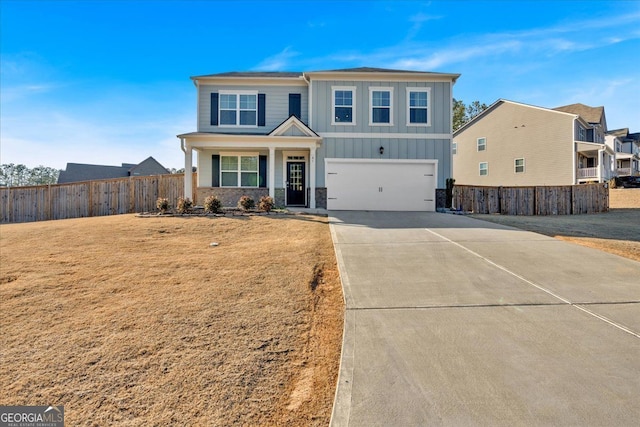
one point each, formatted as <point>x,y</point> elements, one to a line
<point>441,198</point>
<point>230,196</point>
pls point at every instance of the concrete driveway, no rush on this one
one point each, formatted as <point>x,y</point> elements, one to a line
<point>455,321</point>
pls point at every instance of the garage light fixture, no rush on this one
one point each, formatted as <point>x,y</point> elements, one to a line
<point>381,150</point>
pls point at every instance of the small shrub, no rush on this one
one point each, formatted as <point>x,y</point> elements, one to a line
<point>162,204</point>
<point>246,203</point>
<point>265,203</point>
<point>212,205</point>
<point>184,205</point>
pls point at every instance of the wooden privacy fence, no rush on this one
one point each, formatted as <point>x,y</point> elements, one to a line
<point>547,200</point>
<point>89,198</point>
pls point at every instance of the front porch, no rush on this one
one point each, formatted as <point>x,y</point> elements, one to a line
<point>627,164</point>
<point>594,162</point>
<point>281,164</point>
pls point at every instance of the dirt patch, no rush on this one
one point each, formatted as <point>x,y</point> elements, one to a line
<point>142,321</point>
<point>624,198</point>
<point>616,231</point>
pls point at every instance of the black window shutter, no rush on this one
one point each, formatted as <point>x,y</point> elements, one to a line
<point>262,171</point>
<point>262,99</point>
<point>214,109</point>
<point>295,105</point>
<point>215,170</point>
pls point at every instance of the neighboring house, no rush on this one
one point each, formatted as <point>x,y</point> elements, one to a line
<point>361,138</point>
<point>515,144</point>
<point>627,148</point>
<point>76,172</point>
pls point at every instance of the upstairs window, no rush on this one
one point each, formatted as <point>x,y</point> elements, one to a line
<point>381,106</point>
<point>582,134</point>
<point>484,169</point>
<point>519,165</point>
<point>482,144</point>
<point>454,148</point>
<point>343,105</point>
<point>238,109</point>
<point>418,106</point>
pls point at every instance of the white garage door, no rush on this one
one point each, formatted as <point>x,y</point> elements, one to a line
<point>381,185</point>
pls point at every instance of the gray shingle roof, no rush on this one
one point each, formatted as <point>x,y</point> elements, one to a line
<point>76,172</point>
<point>274,74</point>
<point>590,114</point>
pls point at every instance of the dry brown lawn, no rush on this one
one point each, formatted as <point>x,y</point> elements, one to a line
<point>616,231</point>
<point>141,322</point>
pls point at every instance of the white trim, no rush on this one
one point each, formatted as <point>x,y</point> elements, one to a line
<point>427,90</point>
<point>484,144</point>
<point>292,121</point>
<point>390,107</point>
<point>237,93</point>
<point>384,76</point>
<point>515,165</point>
<point>385,135</point>
<point>250,81</point>
<point>353,105</point>
<point>454,148</point>
<point>486,168</point>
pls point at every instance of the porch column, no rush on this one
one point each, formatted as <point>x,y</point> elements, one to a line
<point>312,177</point>
<point>600,158</point>
<point>272,172</point>
<point>188,171</point>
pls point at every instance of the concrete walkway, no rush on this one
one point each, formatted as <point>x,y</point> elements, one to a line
<point>455,321</point>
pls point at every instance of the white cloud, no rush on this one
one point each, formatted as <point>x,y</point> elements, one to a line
<point>278,62</point>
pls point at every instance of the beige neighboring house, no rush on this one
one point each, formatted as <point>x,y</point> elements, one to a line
<point>515,144</point>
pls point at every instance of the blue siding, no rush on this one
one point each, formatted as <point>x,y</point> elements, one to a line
<point>277,107</point>
<point>368,148</point>
<point>439,105</point>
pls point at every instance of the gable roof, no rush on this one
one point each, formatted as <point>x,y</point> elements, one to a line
<point>505,101</point>
<point>76,172</point>
<point>293,122</point>
<point>590,114</point>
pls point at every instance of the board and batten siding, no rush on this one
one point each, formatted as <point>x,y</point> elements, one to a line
<point>439,107</point>
<point>276,108</point>
<point>544,138</point>
<point>396,148</point>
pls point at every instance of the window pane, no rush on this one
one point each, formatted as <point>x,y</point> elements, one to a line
<point>248,118</point>
<point>227,117</point>
<point>249,163</point>
<point>229,179</point>
<point>380,115</point>
<point>418,115</point>
<point>417,99</point>
<point>249,179</point>
<point>229,163</point>
<point>381,99</point>
<point>343,97</point>
<point>228,102</point>
<point>248,102</point>
<point>343,114</point>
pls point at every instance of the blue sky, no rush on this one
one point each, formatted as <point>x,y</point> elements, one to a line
<point>107,82</point>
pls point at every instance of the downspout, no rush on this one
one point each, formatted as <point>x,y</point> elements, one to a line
<point>575,149</point>
<point>309,98</point>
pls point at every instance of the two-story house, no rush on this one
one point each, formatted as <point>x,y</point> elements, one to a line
<point>627,148</point>
<point>361,138</point>
<point>515,144</point>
